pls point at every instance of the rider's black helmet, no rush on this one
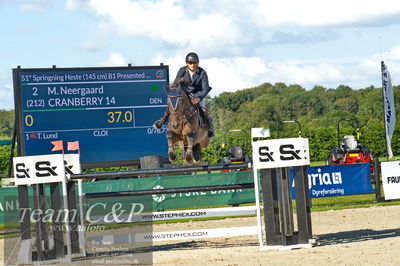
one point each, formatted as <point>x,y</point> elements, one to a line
<point>192,58</point>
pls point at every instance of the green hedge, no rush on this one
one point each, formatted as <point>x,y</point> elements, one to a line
<point>4,158</point>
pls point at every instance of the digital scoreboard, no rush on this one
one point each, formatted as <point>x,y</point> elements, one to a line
<point>110,111</point>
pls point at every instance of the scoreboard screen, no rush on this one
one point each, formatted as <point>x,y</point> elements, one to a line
<point>110,111</point>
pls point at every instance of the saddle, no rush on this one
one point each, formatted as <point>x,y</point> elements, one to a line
<point>204,120</point>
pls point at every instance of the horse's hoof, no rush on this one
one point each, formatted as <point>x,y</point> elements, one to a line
<point>188,162</point>
<point>197,153</point>
<point>188,158</point>
<point>196,160</point>
<point>172,157</point>
<point>197,157</point>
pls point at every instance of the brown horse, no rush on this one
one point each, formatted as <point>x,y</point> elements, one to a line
<point>185,126</point>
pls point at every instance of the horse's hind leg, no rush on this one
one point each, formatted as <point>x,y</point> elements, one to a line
<point>171,153</point>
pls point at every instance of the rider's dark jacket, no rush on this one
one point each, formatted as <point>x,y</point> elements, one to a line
<point>198,86</point>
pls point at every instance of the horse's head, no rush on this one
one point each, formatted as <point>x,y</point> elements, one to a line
<point>177,98</point>
<point>178,102</point>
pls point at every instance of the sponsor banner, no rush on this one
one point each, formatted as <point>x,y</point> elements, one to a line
<point>174,235</point>
<point>391,179</point>
<point>175,201</point>
<point>337,180</point>
<point>276,153</point>
<point>188,200</point>
<point>174,215</point>
<point>29,170</point>
<point>9,205</point>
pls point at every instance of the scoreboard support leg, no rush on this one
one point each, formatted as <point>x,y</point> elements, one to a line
<point>40,232</point>
<point>14,137</point>
<point>73,217</point>
<point>25,251</point>
<point>58,232</point>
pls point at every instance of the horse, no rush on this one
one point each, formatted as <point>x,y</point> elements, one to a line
<point>185,127</point>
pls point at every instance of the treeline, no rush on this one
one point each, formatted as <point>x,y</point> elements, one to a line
<point>317,110</point>
<point>6,124</point>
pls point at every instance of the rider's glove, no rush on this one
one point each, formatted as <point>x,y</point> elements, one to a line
<point>183,82</point>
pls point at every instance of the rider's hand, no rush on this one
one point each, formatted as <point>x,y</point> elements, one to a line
<point>195,100</point>
<point>184,82</point>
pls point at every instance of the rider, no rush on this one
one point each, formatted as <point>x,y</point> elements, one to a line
<point>196,80</point>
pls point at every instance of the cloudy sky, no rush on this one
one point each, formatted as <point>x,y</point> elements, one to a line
<point>241,43</point>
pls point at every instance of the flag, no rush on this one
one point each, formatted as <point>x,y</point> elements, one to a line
<point>58,145</point>
<point>73,145</point>
<point>390,113</point>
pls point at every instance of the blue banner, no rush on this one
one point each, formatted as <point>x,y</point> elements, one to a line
<point>337,180</point>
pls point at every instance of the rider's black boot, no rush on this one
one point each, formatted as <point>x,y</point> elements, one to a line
<point>159,123</point>
<point>210,127</point>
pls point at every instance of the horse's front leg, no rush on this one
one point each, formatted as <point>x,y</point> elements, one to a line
<point>189,150</point>
<point>171,137</point>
